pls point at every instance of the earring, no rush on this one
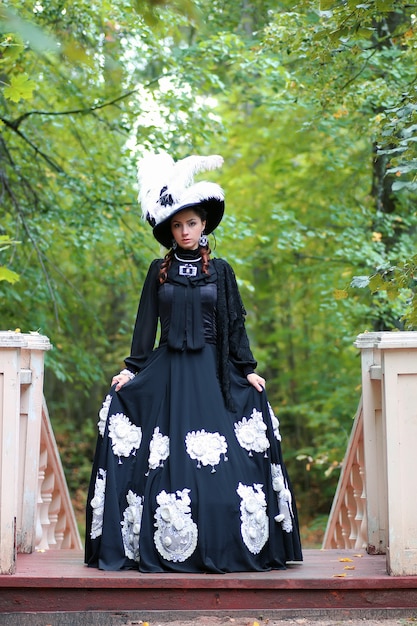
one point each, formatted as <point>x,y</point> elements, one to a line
<point>203,241</point>
<point>174,244</point>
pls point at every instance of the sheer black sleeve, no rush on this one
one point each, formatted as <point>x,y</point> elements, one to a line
<point>144,333</point>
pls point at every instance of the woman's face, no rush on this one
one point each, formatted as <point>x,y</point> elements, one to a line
<point>186,228</point>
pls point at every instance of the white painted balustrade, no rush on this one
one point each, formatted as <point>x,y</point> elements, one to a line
<point>35,507</point>
<point>375,506</point>
<point>347,523</point>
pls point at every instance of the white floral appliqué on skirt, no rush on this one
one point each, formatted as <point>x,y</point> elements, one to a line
<point>205,447</point>
<point>158,449</point>
<point>251,433</point>
<point>131,523</point>
<point>254,520</point>
<point>97,503</point>
<point>279,485</point>
<point>176,534</point>
<point>125,436</point>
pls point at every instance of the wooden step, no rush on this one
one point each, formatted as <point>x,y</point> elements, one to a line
<point>332,582</point>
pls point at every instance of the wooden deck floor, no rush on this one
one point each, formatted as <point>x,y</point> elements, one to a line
<point>329,580</point>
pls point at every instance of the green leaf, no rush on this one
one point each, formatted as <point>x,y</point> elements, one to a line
<point>26,30</point>
<point>385,6</point>
<point>376,282</point>
<point>326,5</point>
<point>398,185</point>
<point>11,46</point>
<point>360,282</point>
<point>6,242</point>
<point>9,275</point>
<point>21,88</point>
<point>77,54</point>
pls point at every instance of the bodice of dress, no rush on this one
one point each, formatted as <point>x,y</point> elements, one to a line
<point>190,310</point>
<point>187,306</point>
<point>193,311</point>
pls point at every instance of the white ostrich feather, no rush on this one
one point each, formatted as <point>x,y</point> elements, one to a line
<point>159,171</point>
<point>184,171</point>
<point>154,171</point>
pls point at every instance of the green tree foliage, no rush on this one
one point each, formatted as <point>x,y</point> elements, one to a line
<point>313,108</point>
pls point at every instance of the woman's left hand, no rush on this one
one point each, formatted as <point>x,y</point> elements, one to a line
<point>256,381</point>
<point>119,381</point>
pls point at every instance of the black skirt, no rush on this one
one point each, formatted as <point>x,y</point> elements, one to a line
<point>181,484</point>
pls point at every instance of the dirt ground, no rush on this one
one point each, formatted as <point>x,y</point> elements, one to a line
<point>402,620</point>
<point>166,618</point>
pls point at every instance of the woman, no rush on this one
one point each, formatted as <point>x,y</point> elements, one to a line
<point>188,474</point>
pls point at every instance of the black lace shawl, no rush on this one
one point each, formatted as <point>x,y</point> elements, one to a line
<point>232,340</point>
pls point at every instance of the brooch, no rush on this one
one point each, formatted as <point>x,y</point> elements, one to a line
<point>187,270</point>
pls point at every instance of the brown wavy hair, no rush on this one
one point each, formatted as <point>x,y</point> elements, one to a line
<point>204,251</point>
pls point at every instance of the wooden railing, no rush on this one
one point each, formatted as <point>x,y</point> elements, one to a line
<point>375,505</point>
<point>35,507</point>
<point>56,525</point>
<point>347,525</point>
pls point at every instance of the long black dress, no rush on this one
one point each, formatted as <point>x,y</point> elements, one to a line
<point>188,474</point>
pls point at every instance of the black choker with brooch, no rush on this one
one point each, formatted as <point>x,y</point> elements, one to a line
<point>187,258</point>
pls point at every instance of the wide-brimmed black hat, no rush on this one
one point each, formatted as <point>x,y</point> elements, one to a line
<point>167,187</point>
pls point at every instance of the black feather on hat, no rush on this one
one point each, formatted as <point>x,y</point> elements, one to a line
<point>167,187</point>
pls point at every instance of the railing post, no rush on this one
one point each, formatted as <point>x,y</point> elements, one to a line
<point>399,382</point>
<point>32,368</point>
<point>10,348</point>
<point>389,379</point>
<point>374,443</point>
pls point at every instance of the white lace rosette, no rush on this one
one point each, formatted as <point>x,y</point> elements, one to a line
<point>97,504</point>
<point>103,413</point>
<point>251,433</point>
<point>279,485</point>
<point>254,520</point>
<point>158,449</point>
<point>275,423</point>
<point>125,436</point>
<point>206,448</point>
<point>176,534</point>
<point>131,523</point>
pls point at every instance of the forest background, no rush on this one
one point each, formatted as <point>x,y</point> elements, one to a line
<point>313,107</point>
